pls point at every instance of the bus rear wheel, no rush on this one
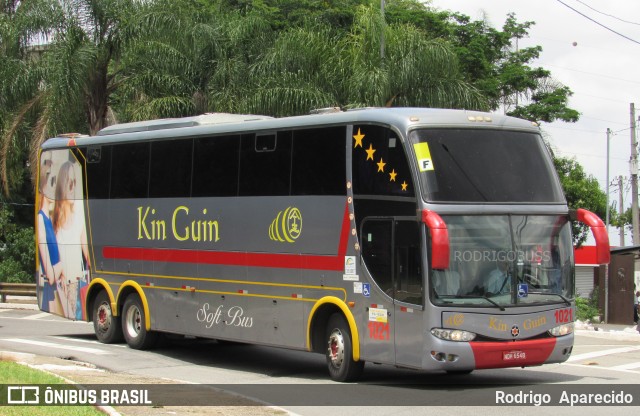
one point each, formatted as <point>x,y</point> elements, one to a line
<point>106,326</point>
<point>340,351</point>
<point>133,324</point>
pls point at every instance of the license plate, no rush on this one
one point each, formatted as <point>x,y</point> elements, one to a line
<point>514,355</point>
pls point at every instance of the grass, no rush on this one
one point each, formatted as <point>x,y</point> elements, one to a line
<point>13,373</point>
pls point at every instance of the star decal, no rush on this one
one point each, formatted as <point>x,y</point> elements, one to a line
<point>401,185</point>
<point>358,137</point>
<point>370,151</point>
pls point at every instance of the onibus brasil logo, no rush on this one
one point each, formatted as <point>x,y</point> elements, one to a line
<point>287,226</point>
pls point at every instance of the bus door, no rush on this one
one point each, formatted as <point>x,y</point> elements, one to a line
<point>391,253</point>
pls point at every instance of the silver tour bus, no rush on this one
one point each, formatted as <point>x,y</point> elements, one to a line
<point>430,239</point>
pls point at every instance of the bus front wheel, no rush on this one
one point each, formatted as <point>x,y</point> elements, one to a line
<point>105,325</point>
<point>340,351</point>
<point>133,324</point>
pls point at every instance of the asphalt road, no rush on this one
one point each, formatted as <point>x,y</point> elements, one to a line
<point>298,381</point>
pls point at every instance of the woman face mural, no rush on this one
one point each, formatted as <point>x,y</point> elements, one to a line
<point>62,227</point>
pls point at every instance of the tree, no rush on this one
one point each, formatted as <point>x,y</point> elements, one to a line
<point>70,86</point>
<point>493,62</point>
<point>314,66</point>
<point>16,249</point>
<point>581,191</point>
<point>286,14</point>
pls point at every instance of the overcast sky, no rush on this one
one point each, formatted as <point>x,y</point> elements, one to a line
<point>602,69</point>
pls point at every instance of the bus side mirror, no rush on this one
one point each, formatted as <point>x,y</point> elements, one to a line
<point>599,230</point>
<point>439,239</point>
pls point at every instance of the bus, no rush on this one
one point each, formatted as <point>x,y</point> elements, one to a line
<point>431,239</point>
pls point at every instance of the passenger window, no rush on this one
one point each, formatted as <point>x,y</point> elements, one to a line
<point>98,166</point>
<point>170,169</point>
<point>130,173</point>
<point>265,171</point>
<point>215,166</point>
<point>318,161</point>
<point>379,163</point>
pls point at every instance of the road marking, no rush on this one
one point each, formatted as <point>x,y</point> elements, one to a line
<point>59,346</point>
<point>89,341</point>
<point>86,341</point>
<point>602,353</point>
<point>38,315</point>
<point>3,310</point>
<point>630,366</point>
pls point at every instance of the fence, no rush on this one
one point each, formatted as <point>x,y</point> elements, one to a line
<point>16,289</point>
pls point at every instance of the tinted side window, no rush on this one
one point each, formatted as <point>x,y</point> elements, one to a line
<point>380,165</point>
<point>130,170</point>
<point>215,166</point>
<point>98,165</point>
<point>265,164</point>
<point>319,161</point>
<point>170,169</point>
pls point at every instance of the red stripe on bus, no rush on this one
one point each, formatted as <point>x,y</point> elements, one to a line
<point>492,354</point>
<point>233,258</point>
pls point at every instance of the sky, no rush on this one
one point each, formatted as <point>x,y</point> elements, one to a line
<point>601,67</point>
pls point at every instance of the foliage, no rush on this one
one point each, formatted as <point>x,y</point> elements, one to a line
<point>587,309</point>
<point>17,251</point>
<point>14,373</point>
<point>67,87</point>
<point>581,191</point>
<point>624,219</point>
<point>493,62</point>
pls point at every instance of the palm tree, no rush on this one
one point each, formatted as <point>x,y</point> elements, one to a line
<point>69,88</point>
<point>409,70</point>
<point>190,60</point>
<point>313,66</point>
<point>20,76</point>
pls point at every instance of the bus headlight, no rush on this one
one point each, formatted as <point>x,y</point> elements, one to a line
<point>560,330</point>
<point>453,334</point>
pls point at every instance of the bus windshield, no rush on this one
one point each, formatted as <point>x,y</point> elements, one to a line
<point>484,166</point>
<point>506,260</point>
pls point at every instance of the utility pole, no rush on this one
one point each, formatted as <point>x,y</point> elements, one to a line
<point>634,177</point>
<point>608,146</point>
<point>620,192</point>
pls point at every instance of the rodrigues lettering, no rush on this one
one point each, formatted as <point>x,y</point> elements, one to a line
<point>234,316</point>
<point>183,228</point>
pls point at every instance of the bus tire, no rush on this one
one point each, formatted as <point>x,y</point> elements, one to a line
<point>339,352</point>
<point>133,327</point>
<point>106,326</point>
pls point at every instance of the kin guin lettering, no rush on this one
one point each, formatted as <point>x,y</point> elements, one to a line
<point>234,316</point>
<point>498,324</point>
<point>155,229</point>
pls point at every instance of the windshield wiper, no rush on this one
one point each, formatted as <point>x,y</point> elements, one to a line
<point>567,301</point>
<point>473,297</point>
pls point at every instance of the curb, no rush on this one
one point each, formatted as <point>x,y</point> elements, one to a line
<point>19,306</point>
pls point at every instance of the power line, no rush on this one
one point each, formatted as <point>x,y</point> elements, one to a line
<point>608,15</point>
<point>592,73</point>
<point>598,23</point>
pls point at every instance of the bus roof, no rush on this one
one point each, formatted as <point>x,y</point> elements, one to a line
<point>221,123</point>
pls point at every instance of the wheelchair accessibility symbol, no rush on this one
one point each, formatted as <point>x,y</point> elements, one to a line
<point>523,290</point>
<point>366,289</point>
